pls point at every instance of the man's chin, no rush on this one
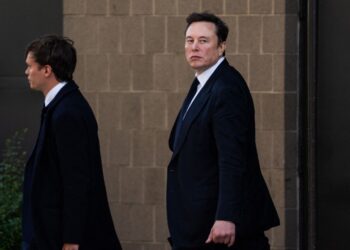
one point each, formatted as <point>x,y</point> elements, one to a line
<point>32,87</point>
<point>198,69</point>
<point>195,66</point>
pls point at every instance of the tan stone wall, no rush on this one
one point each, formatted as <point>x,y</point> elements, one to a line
<point>131,68</point>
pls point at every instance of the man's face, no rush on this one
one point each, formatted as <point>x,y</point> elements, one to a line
<point>201,46</point>
<point>36,74</point>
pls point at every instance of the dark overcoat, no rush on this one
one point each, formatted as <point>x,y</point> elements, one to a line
<point>68,196</point>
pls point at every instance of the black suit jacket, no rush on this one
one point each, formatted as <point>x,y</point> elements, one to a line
<point>68,197</point>
<point>214,172</point>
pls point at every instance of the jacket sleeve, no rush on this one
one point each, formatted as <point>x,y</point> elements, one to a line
<point>231,132</point>
<point>71,138</point>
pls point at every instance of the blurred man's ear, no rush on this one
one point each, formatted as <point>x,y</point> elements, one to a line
<point>48,70</point>
<point>222,48</point>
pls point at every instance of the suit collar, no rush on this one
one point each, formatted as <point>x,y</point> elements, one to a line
<point>198,104</point>
<point>53,92</point>
<point>68,88</point>
<point>204,76</point>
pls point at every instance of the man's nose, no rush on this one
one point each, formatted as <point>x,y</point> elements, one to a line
<point>195,45</point>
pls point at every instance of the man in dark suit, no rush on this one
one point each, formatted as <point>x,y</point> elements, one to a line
<point>216,195</point>
<point>65,204</point>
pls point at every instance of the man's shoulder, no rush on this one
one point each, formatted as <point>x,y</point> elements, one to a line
<point>229,71</point>
<point>229,83</point>
<point>71,104</point>
<point>229,78</point>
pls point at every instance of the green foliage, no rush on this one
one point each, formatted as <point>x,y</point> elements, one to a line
<point>11,179</point>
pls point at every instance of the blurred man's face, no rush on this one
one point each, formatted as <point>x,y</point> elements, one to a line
<point>36,74</point>
<point>202,46</point>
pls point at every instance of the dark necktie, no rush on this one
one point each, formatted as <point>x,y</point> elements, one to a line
<point>183,110</point>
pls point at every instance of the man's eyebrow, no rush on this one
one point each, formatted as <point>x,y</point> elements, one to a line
<point>201,37</point>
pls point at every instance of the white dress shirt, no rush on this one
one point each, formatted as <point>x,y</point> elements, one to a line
<point>53,92</point>
<point>203,78</point>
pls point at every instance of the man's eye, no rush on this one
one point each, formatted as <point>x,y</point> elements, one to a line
<point>202,41</point>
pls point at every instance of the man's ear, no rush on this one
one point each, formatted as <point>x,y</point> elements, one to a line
<point>48,70</point>
<point>222,48</point>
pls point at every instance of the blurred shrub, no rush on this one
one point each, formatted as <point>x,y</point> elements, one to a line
<point>11,180</point>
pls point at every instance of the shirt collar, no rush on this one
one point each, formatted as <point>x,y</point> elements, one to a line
<point>53,92</point>
<point>205,75</point>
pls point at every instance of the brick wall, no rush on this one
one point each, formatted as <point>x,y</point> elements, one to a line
<point>131,67</point>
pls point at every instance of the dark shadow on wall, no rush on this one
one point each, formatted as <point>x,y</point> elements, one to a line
<point>307,125</point>
<point>21,22</point>
<point>291,129</point>
<point>324,123</point>
<point>332,135</point>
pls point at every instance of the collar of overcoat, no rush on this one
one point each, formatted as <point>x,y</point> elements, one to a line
<point>68,88</point>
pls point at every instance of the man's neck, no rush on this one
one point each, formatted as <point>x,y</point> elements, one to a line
<point>49,86</point>
<point>215,65</point>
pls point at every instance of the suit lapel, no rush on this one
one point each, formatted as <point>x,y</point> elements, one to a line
<point>197,106</point>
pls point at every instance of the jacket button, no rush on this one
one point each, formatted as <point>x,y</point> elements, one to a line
<point>171,170</point>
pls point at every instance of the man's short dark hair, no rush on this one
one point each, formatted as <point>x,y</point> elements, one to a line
<point>56,51</point>
<point>221,27</point>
